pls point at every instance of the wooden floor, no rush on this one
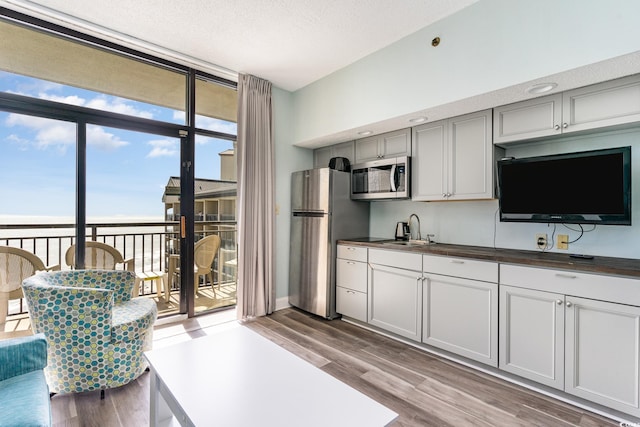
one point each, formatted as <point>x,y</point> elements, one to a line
<point>425,390</point>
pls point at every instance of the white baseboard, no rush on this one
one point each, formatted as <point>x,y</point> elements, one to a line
<point>282,303</point>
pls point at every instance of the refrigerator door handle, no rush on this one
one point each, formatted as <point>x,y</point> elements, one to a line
<point>310,214</point>
<point>392,179</point>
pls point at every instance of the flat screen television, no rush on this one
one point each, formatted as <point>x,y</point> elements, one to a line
<point>590,187</point>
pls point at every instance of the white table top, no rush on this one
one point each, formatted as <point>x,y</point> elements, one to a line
<point>239,378</point>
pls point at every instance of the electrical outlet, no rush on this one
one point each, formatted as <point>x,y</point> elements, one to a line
<point>563,241</point>
<point>541,240</point>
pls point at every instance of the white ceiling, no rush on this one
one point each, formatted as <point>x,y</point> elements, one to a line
<point>288,42</point>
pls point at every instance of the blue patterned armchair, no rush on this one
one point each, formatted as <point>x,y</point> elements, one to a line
<point>96,333</point>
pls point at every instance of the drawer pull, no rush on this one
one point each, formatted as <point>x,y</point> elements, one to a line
<point>351,249</point>
<point>351,292</point>
<point>566,276</point>
<point>351,263</point>
<point>457,261</point>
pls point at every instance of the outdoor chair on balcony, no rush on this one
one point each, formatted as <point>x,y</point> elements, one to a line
<point>96,332</point>
<point>204,252</point>
<point>99,256</point>
<point>16,265</point>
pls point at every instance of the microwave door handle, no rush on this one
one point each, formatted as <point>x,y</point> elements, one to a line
<point>392,179</point>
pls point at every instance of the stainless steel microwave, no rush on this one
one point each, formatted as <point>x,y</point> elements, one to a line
<point>381,179</point>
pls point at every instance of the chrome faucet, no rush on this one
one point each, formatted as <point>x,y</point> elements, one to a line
<point>410,228</point>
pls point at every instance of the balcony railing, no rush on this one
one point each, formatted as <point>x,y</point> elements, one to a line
<point>148,243</point>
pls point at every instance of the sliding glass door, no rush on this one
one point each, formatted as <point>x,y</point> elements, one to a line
<point>117,144</point>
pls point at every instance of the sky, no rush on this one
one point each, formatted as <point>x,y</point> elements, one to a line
<point>126,171</point>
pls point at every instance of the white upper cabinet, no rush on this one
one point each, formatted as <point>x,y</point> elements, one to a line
<point>528,119</point>
<point>607,104</point>
<point>321,156</point>
<point>453,159</point>
<point>603,105</point>
<point>391,144</point>
<point>429,161</point>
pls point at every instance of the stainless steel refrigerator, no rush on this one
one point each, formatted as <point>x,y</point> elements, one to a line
<point>321,213</point>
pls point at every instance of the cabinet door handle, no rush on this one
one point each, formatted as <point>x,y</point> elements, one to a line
<point>569,304</point>
<point>557,127</point>
<point>559,302</point>
<point>565,125</point>
<point>566,276</point>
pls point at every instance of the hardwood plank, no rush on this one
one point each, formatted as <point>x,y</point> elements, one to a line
<point>424,389</point>
<point>324,346</point>
<point>131,402</point>
<point>297,349</point>
<point>491,392</point>
<point>410,415</point>
<point>464,401</point>
<point>420,399</point>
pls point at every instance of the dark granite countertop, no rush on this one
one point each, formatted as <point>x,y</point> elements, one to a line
<point>598,264</point>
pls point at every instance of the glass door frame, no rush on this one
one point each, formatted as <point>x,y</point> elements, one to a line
<point>83,116</point>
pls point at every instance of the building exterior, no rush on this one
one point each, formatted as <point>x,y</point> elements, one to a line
<point>215,213</point>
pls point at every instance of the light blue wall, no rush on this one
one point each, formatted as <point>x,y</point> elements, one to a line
<point>491,45</point>
<point>488,46</point>
<point>288,159</point>
<point>476,223</point>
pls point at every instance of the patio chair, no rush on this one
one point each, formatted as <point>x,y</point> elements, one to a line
<point>16,265</point>
<point>99,256</point>
<point>204,253</point>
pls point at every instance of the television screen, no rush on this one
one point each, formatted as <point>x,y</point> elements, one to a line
<point>591,187</point>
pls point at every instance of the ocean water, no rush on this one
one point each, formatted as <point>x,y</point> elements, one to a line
<point>50,244</point>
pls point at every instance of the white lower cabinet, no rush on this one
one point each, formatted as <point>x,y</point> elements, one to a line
<point>602,353</point>
<point>585,346</point>
<point>461,316</point>
<point>351,303</point>
<point>351,282</point>
<point>395,300</point>
<point>532,335</point>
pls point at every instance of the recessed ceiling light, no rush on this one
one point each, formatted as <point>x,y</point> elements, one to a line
<point>541,87</point>
<point>418,120</point>
<point>365,132</point>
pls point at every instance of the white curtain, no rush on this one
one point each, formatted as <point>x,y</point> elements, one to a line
<point>256,199</point>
